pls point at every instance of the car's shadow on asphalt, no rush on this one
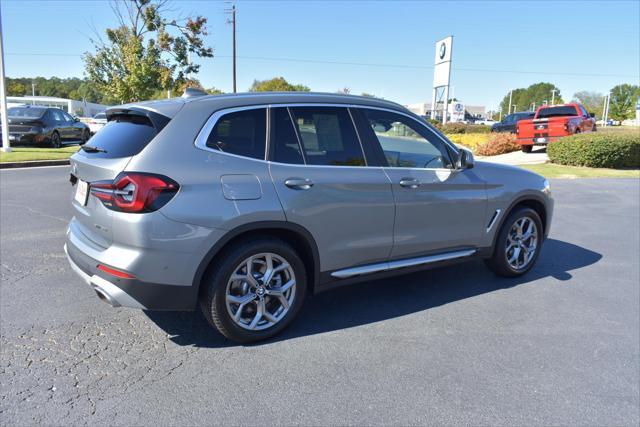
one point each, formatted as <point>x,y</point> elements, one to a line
<point>373,301</point>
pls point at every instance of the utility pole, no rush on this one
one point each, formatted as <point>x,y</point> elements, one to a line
<point>510,94</point>
<point>534,106</point>
<point>232,21</point>
<point>6,147</point>
<point>605,112</point>
<point>33,93</point>
<point>553,96</point>
<point>515,108</point>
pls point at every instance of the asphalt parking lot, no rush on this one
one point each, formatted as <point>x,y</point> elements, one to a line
<point>448,346</point>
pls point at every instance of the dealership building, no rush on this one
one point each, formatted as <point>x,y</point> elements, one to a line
<point>424,109</point>
<point>71,106</point>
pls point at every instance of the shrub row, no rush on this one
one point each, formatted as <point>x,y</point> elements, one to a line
<point>459,128</point>
<point>499,143</point>
<point>598,149</point>
<point>470,140</point>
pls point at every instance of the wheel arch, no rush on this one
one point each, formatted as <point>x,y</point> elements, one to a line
<point>295,235</point>
<point>534,202</point>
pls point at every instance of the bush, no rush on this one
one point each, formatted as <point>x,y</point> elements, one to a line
<point>435,123</point>
<point>469,140</point>
<point>598,150</point>
<point>457,128</point>
<point>499,143</point>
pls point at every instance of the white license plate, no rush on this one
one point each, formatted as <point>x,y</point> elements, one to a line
<point>82,192</point>
<point>541,139</point>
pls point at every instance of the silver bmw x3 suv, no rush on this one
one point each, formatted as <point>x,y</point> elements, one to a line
<point>245,204</point>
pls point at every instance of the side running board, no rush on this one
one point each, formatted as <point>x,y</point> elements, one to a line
<point>393,265</point>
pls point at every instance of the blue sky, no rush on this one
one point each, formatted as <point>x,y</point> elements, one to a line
<point>577,45</point>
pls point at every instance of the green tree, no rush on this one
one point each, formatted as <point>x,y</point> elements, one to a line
<point>592,101</point>
<point>524,98</point>
<point>623,101</point>
<point>147,52</point>
<point>276,84</point>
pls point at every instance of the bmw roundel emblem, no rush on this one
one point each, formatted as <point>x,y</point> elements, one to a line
<point>443,50</point>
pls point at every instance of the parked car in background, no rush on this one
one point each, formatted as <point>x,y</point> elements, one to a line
<point>97,122</point>
<point>552,122</point>
<point>508,123</point>
<point>486,122</point>
<point>41,126</point>
<point>243,204</point>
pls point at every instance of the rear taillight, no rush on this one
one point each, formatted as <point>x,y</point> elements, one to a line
<point>135,192</point>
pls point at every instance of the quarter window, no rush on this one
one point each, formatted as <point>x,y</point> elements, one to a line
<point>405,143</point>
<point>327,136</point>
<point>242,133</point>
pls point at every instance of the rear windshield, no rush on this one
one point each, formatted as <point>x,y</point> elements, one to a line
<point>557,112</point>
<point>30,113</point>
<point>101,116</point>
<point>123,136</point>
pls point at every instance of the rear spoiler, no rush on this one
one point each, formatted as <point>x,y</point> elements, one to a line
<point>157,120</point>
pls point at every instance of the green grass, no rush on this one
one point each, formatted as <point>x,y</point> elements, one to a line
<point>24,154</point>
<point>550,170</point>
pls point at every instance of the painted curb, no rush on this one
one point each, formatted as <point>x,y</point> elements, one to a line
<point>34,163</point>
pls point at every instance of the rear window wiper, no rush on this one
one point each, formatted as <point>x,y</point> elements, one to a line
<point>92,149</point>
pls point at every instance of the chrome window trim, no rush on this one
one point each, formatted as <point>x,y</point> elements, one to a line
<point>201,139</point>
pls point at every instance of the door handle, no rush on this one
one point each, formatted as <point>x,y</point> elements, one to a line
<point>299,183</point>
<point>409,183</point>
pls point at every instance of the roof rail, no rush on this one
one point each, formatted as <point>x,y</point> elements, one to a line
<point>192,92</point>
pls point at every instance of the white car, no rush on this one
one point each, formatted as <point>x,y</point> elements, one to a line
<point>97,122</point>
<point>487,122</point>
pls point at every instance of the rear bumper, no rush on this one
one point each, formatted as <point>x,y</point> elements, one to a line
<point>121,292</point>
<point>26,137</point>
<point>536,141</point>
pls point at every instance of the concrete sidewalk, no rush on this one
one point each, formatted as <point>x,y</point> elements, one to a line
<point>538,155</point>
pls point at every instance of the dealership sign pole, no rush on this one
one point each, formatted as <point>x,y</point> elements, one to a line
<point>442,76</point>
<point>3,97</point>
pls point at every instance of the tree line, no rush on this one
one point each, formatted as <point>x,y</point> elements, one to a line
<point>621,105</point>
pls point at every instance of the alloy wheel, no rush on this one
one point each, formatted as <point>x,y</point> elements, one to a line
<point>260,291</point>
<point>522,242</point>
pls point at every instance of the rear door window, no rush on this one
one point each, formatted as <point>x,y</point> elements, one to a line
<point>285,147</point>
<point>328,136</point>
<point>242,133</point>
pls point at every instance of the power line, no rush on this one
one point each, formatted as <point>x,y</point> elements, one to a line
<point>371,64</point>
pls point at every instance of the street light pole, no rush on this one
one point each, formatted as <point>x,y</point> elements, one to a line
<point>553,96</point>
<point>510,94</point>
<point>6,147</point>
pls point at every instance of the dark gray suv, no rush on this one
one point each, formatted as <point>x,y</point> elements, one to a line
<point>245,204</point>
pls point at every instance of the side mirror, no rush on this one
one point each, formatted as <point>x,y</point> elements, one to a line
<point>75,119</point>
<point>465,159</point>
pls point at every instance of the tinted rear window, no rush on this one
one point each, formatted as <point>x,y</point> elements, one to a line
<point>26,112</point>
<point>123,136</point>
<point>557,112</point>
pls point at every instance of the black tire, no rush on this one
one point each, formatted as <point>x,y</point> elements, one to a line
<point>498,262</point>
<point>213,302</point>
<point>85,136</point>
<point>55,140</point>
<point>527,148</point>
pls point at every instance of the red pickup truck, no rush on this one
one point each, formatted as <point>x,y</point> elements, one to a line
<point>552,122</point>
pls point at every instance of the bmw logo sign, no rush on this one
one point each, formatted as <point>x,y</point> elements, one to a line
<point>443,50</point>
